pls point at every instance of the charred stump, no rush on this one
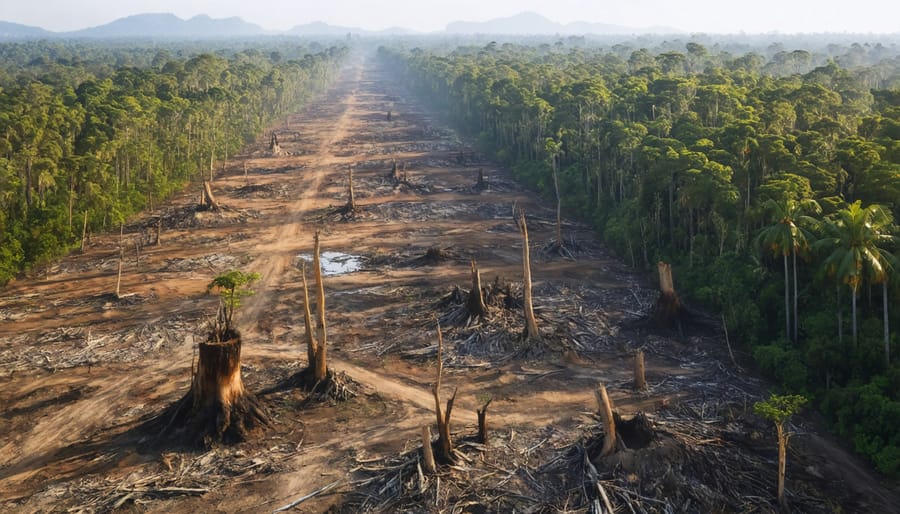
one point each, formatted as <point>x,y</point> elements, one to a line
<point>217,409</point>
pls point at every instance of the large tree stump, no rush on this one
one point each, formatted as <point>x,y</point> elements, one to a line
<point>217,409</point>
<point>668,311</point>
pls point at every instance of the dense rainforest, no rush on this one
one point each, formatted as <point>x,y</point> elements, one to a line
<point>92,132</point>
<point>769,178</point>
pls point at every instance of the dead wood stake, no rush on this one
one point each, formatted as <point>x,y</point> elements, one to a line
<point>639,382</point>
<point>482,422</point>
<point>609,424</point>
<point>427,452</point>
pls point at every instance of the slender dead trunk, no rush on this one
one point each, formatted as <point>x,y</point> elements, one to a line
<point>321,369</point>
<point>351,196</point>
<point>307,322</point>
<point>609,423</point>
<point>159,232</point>
<point>84,233</point>
<point>782,461</point>
<point>482,422</point>
<point>427,453</point>
<point>639,381</point>
<point>443,416</point>
<point>475,302</point>
<point>531,328</point>
<point>208,197</point>
<point>119,274</point>
<point>559,239</point>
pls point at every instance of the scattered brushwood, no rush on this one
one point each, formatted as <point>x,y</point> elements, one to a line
<point>174,475</point>
<point>679,460</point>
<point>573,324</point>
<point>322,382</point>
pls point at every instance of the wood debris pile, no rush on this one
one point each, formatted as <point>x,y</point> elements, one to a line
<point>177,474</point>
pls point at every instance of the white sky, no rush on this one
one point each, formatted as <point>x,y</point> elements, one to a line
<point>712,16</point>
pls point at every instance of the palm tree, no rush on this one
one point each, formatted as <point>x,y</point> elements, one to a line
<point>856,243</point>
<point>787,238</point>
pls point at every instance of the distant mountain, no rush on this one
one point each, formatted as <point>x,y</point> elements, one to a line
<point>16,31</point>
<point>529,23</point>
<point>318,28</point>
<point>164,25</point>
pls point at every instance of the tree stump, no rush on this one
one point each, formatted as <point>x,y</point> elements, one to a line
<point>217,409</point>
<point>668,311</point>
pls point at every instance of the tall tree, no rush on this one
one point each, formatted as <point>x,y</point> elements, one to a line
<point>786,238</point>
<point>856,244</point>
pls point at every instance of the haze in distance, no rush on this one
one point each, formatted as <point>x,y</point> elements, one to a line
<point>455,16</point>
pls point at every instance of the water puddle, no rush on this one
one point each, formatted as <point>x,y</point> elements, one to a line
<point>334,263</point>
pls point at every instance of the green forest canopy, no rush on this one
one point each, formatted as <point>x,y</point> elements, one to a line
<point>106,130</point>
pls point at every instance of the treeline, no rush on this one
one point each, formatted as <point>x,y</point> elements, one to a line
<point>770,184</point>
<point>82,136</point>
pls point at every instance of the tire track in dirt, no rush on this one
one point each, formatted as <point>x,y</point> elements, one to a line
<point>279,249</point>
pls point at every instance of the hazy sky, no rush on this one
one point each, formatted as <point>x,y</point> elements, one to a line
<point>714,16</point>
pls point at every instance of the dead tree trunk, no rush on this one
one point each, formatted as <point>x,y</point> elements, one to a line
<point>639,382</point>
<point>321,369</point>
<point>782,461</point>
<point>482,182</point>
<point>208,199</point>
<point>311,349</point>
<point>559,238</point>
<point>475,302</point>
<point>350,206</point>
<point>84,232</point>
<point>274,147</point>
<point>119,274</point>
<point>609,423</point>
<point>531,331</point>
<point>395,171</point>
<point>482,422</point>
<point>443,417</point>
<point>159,232</point>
